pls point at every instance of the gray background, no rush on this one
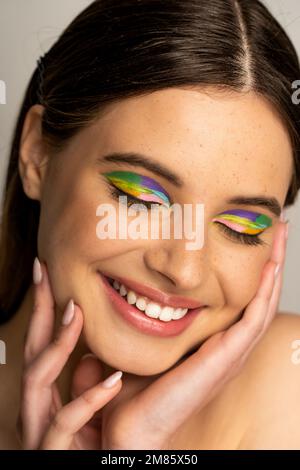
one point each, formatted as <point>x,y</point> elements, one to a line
<point>28,29</point>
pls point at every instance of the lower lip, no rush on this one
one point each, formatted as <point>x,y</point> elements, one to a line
<point>139,320</point>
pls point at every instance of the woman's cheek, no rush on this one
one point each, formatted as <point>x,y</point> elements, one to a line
<point>241,278</point>
<point>66,244</point>
<point>73,252</point>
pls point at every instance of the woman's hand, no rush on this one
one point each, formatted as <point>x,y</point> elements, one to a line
<point>147,411</point>
<point>43,422</point>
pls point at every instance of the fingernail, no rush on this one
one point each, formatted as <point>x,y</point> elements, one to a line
<point>112,379</point>
<point>69,313</point>
<point>277,270</point>
<point>87,355</point>
<point>37,271</point>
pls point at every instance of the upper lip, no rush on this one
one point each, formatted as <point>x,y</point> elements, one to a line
<point>175,301</point>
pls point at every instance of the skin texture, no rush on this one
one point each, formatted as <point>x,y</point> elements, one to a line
<point>249,154</point>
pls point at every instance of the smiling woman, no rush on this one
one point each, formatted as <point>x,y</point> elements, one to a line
<point>181,102</point>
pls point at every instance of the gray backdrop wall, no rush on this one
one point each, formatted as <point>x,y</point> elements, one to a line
<point>27,30</point>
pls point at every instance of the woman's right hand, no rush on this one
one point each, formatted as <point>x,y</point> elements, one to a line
<point>43,422</point>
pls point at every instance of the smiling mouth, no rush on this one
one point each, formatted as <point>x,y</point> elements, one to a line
<point>150,310</point>
<point>149,307</point>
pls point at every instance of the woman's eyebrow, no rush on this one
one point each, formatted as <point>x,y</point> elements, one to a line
<point>139,159</point>
<point>270,203</point>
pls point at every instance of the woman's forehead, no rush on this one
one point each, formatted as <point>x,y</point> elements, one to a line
<point>185,120</point>
<point>231,138</point>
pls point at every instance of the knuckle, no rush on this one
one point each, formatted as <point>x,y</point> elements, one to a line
<point>29,379</point>
<point>236,365</point>
<point>36,304</point>
<point>88,399</point>
<point>253,326</point>
<point>28,352</point>
<point>57,342</point>
<point>254,329</point>
<point>232,362</point>
<point>59,424</point>
<point>68,348</point>
<point>61,343</point>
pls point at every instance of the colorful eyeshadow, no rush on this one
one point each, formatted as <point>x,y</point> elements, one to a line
<point>243,221</point>
<point>141,187</point>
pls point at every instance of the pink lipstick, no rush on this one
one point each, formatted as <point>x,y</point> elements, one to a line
<point>139,320</point>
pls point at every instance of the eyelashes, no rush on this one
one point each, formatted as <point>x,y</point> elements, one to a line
<point>255,227</point>
<point>116,192</point>
<point>253,240</point>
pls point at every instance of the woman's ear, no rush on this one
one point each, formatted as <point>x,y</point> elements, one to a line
<point>32,156</point>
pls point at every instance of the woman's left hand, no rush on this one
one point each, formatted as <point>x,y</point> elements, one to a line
<point>148,411</point>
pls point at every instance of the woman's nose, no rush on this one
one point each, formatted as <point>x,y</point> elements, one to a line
<point>185,269</point>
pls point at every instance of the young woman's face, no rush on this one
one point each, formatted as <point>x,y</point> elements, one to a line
<point>220,146</point>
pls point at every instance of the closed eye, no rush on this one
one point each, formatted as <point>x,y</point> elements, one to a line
<point>244,238</point>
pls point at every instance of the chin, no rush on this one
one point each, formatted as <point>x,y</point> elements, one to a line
<point>127,360</point>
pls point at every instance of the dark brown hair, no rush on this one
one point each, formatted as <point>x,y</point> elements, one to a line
<point>116,49</point>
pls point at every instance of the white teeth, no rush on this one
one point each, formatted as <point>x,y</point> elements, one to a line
<point>131,297</point>
<point>179,313</point>
<point>151,309</point>
<point>141,303</point>
<point>123,290</point>
<point>166,314</point>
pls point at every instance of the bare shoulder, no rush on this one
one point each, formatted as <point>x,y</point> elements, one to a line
<point>271,385</point>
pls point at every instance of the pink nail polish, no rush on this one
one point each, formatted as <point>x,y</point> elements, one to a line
<point>277,270</point>
<point>112,379</point>
<point>37,271</point>
<point>87,355</point>
<point>69,313</point>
